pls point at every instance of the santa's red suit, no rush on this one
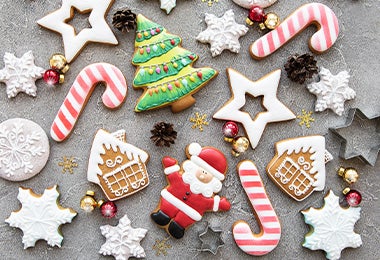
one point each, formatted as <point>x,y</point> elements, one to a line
<point>178,201</point>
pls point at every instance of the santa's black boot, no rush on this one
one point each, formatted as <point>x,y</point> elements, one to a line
<point>176,230</point>
<point>160,218</point>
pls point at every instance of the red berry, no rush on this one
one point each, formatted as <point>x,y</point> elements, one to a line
<point>51,77</point>
<point>108,209</point>
<point>353,198</point>
<point>230,129</point>
<point>256,14</point>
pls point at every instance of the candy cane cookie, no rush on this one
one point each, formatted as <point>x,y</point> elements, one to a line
<point>80,92</point>
<point>314,13</point>
<point>265,241</point>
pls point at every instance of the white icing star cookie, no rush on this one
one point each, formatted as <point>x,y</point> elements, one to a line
<point>331,91</point>
<point>222,33</point>
<point>73,43</point>
<point>123,241</point>
<point>250,3</point>
<point>167,5</point>
<point>332,227</point>
<point>40,217</point>
<point>266,87</point>
<point>20,74</point>
<point>24,149</point>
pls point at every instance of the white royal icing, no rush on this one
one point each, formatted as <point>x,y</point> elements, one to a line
<point>73,43</point>
<point>250,3</point>
<point>266,87</point>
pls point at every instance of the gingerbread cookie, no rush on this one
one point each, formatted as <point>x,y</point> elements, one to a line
<point>24,149</point>
<point>74,42</point>
<point>116,166</point>
<point>298,166</point>
<point>40,217</point>
<point>165,69</point>
<point>192,189</point>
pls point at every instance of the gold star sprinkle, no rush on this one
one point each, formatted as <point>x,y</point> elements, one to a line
<point>199,121</point>
<point>210,2</point>
<point>161,246</point>
<point>305,118</point>
<point>68,164</point>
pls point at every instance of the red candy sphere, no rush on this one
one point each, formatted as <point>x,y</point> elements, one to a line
<point>256,14</point>
<point>51,77</point>
<point>353,198</point>
<point>108,209</point>
<point>230,129</point>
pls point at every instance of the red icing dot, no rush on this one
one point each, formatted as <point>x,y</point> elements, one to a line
<point>158,30</point>
<point>172,41</point>
<point>191,57</point>
<point>199,74</point>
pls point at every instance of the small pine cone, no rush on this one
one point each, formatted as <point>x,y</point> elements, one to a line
<point>124,20</point>
<point>301,67</point>
<point>163,134</point>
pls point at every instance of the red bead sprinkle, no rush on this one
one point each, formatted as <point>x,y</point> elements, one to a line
<point>51,77</point>
<point>158,30</point>
<point>353,198</point>
<point>256,14</point>
<point>166,68</point>
<point>199,74</point>
<point>230,129</point>
<point>172,41</point>
<point>108,209</point>
<point>191,57</point>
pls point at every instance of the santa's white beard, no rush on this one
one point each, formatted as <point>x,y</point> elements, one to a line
<point>196,186</point>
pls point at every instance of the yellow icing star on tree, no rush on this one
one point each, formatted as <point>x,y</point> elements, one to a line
<point>199,121</point>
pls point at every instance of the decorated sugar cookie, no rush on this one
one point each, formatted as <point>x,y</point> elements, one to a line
<point>266,87</point>
<point>24,149</point>
<point>165,69</point>
<point>20,74</point>
<point>222,33</point>
<point>251,3</point>
<point>74,42</point>
<point>117,167</point>
<point>298,166</point>
<point>40,217</point>
<point>192,189</point>
<point>332,227</point>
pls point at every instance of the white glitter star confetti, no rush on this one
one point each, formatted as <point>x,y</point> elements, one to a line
<point>20,74</point>
<point>331,91</point>
<point>222,33</point>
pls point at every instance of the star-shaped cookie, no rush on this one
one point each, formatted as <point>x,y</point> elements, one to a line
<point>20,74</point>
<point>40,217</point>
<point>73,43</point>
<point>266,87</point>
<point>332,227</point>
<point>222,33</point>
<point>123,241</point>
<point>331,91</point>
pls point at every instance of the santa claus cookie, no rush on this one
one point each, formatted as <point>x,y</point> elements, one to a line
<point>192,189</point>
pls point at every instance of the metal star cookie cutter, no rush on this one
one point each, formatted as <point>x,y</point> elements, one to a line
<point>211,239</point>
<point>348,150</point>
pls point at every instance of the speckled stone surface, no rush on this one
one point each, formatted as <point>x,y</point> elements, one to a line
<point>356,50</point>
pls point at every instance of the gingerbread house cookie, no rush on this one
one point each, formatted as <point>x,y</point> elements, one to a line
<point>298,166</point>
<point>116,166</point>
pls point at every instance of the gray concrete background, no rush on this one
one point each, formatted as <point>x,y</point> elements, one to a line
<point>356,50</point>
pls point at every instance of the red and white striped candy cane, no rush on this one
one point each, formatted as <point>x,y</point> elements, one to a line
<point>268,238</point>
<point>314,13</point>
<point>80,92</point>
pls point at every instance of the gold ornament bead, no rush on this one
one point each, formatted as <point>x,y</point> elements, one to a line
<point>249,22</point>
<point>262,26</point>
<point>65,69</point>
<point>100,203</point>
<point>239,145</point>
<point>88,203</point>
<point>57,61</point>
<point>346,190</point>
<point>272,21</point>
<point>350,175</point>
<point>61,78</point>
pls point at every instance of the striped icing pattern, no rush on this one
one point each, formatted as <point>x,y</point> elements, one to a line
<point>80,91</point>
<point>314,13</point>
<point>268,238</point>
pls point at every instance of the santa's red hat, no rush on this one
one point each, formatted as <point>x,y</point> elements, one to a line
<point>210,159</point>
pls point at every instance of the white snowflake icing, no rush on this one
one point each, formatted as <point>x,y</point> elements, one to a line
<point>20,74</point>
<point>167,5</point>
<point>123,241</point>
<point>222,33</point>
<point>17,149</point>
<point>40,217</point>
<point>333,227</point>
<point>331,91</point>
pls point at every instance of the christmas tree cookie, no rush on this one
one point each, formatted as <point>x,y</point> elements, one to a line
<point>165,69</point>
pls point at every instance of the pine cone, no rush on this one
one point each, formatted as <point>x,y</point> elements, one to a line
<point>301,67</point>
<point>163,134</point>
<point>124,20</point>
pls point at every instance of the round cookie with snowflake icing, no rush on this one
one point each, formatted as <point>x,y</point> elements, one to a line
<point>24,149</point>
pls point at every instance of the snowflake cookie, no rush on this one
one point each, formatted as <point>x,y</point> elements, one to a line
<point>20,74</point>
<point>222,33</point>
<point>40,217</point>
<point>123,241</point>
<point>24,149</point>
<point>251,3</point>
<point>331,91</point>
<point>332,227</point>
